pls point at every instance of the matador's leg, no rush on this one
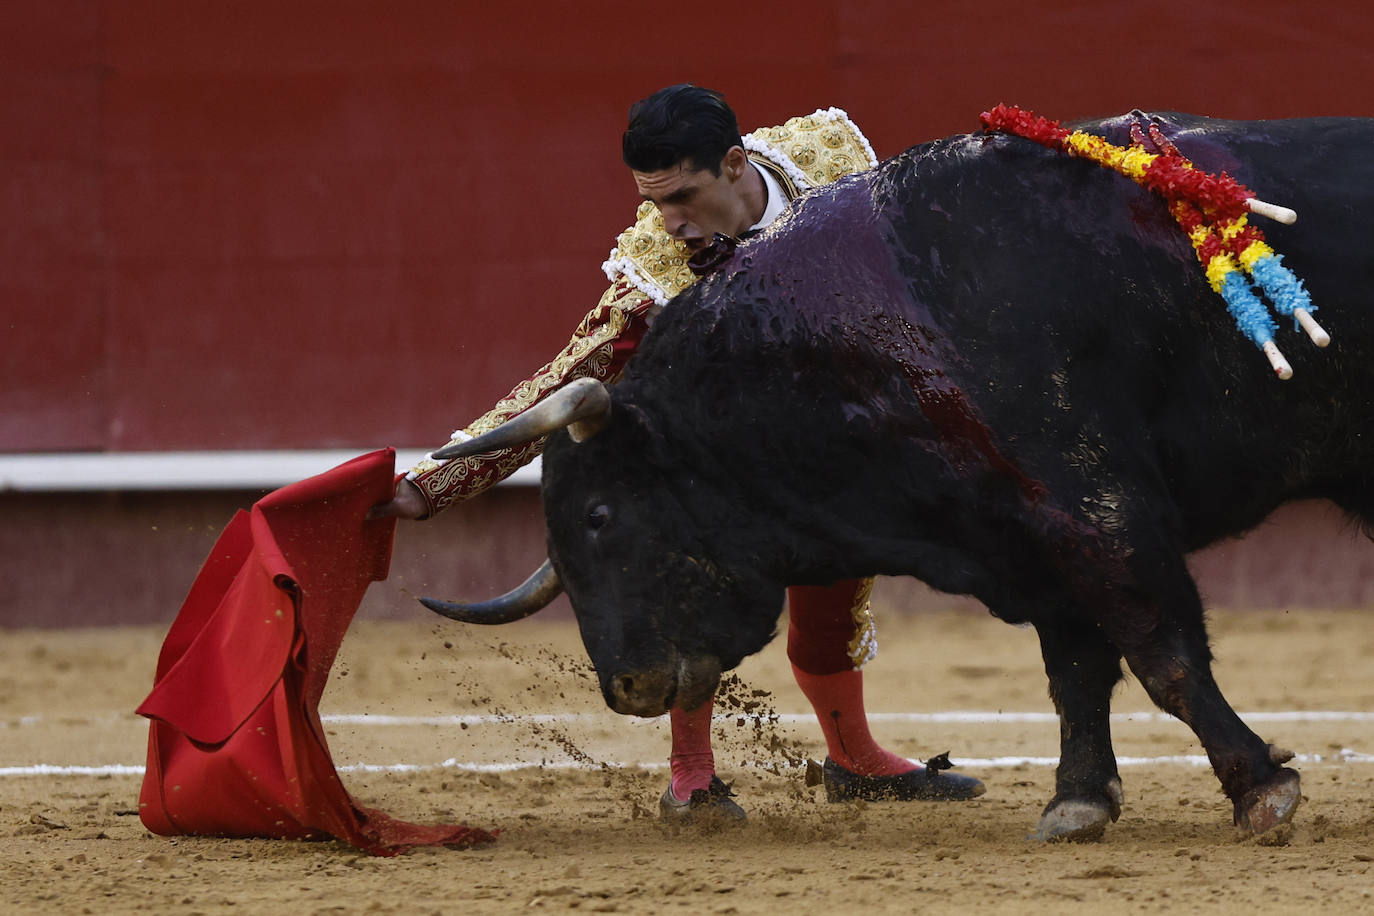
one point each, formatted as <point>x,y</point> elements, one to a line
<point>695,791</point>
<point>830,636</point>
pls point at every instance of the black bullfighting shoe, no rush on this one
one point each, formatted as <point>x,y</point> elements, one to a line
<point>921,784</point>
<point>714,804</point>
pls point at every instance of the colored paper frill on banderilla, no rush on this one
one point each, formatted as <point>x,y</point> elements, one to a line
<point>235,746</point>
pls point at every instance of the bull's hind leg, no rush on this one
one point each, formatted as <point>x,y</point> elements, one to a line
<point>1165,646</point>
<point>1083,667</point>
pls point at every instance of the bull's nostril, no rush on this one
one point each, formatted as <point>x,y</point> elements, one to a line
<point>642,692</point>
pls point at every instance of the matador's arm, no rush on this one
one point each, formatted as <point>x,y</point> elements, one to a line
<point>598,349</point>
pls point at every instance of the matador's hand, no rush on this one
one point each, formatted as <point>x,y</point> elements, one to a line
<point>408,502</point>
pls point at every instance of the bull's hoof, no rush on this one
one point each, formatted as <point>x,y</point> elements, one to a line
<point>1074,820</point>
<point>1270,804</point>
<point>1079,820</point>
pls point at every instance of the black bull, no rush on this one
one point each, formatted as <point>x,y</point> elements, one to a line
<point>1002,371</point>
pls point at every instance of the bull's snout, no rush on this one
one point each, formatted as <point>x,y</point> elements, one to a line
<point>652,691</point>
<point>643,693</point>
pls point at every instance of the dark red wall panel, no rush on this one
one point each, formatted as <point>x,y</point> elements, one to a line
<point>356,223</point>
<point>54,380</point>
<point>120,558</point>
<point>308,224</point>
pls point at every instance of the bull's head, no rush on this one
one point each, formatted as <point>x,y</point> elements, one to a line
<point>654,556</point>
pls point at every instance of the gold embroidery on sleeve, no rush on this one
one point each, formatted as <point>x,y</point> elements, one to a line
<point>591,352</point>
<point>863,648</point>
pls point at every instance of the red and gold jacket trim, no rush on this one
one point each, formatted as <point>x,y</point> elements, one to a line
<point>598,349</point>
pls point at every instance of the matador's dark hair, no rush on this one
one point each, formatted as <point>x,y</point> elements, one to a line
<point>681,124</point>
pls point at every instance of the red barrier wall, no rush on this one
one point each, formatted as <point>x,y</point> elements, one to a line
<point>355,223</point>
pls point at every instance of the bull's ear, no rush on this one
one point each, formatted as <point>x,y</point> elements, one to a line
<point>645,434</point>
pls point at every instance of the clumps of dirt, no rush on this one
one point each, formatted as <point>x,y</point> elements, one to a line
<point>1281,835</point>
<point>548,674</point>
<point>748,732</point>
<point>840,823</point>
<point>552,675</point>
<point>1105,872</point>
<point>758,728</point>
<point>556,736</point>
<point>544,659</point>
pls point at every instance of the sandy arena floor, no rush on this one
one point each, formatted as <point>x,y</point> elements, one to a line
<point>580,835</point>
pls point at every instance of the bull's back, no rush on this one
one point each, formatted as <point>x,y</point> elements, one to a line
<point>1074,309</point>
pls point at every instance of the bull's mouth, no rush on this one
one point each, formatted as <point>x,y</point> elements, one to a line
<point>653,691</point>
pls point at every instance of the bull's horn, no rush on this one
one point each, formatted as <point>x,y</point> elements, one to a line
<point>533,595</point>
<point>582,406</point>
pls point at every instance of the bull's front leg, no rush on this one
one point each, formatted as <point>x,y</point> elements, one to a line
<point>1083,667</point>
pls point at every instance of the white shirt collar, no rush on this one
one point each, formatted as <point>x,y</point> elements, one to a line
<point>777,201</point>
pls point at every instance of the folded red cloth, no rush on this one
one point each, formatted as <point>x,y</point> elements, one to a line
<point>235,746</point>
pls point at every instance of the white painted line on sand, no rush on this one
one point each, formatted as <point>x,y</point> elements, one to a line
<point>49,769</point>
<point>967,717</point>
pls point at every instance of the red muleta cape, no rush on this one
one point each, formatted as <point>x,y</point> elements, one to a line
<point>235,745</point>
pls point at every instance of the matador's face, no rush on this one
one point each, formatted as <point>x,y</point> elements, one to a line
<point>696,203</point>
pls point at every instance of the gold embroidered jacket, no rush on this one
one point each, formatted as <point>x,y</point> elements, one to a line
<point>646,267</point>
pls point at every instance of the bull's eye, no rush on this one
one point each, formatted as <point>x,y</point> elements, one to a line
<point>598,517</point>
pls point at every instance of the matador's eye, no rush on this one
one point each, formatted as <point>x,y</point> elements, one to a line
<point>598,516</point>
